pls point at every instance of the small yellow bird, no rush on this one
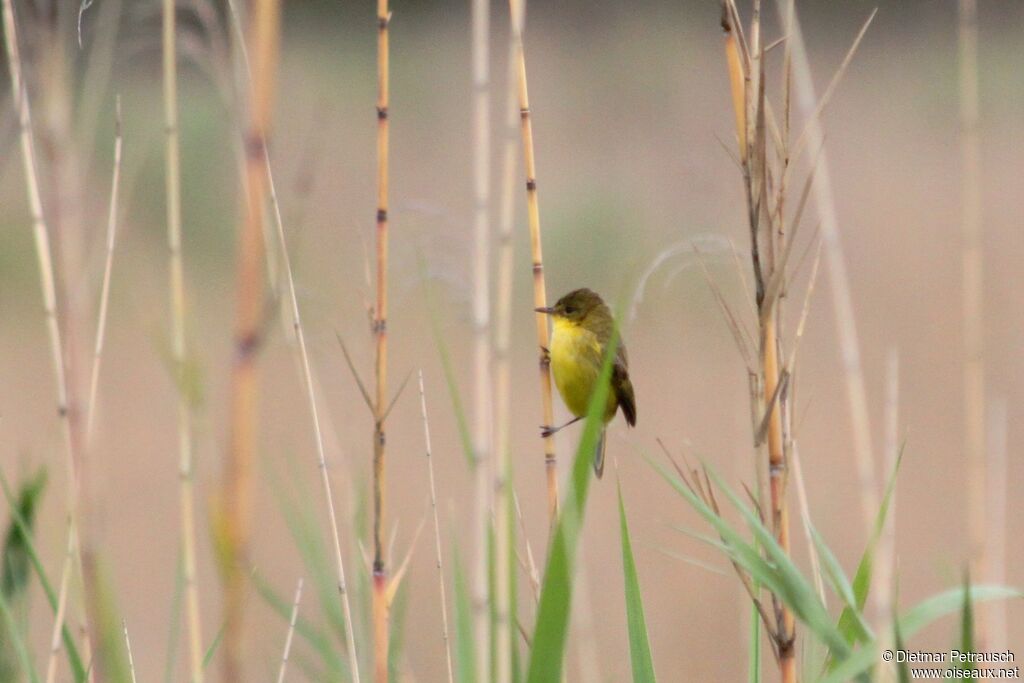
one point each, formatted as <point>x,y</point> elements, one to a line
<point>582,329</point>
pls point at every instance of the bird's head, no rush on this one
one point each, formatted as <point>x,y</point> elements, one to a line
<point>576,306</point>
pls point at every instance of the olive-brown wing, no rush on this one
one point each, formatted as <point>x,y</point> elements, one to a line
<point>623,387</point>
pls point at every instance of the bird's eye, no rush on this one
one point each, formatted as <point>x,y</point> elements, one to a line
<point>570,310</point>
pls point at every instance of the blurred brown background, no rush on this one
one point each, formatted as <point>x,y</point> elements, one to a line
<point>628,99</point>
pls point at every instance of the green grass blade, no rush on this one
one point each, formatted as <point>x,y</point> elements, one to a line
<point>842,588</point>
<point>16,562</point>
<point>465,648</point>
<point>639,643</point>
<point>795,590</point>
<point>916,618</point>
<point>862,578</point>
<point>212,650</point>
<point>550,634</point>
<point>10,627</point>
<point>902,668</point>
<point>966,627</point>
<point>74,659</point>
<point>174,628</point>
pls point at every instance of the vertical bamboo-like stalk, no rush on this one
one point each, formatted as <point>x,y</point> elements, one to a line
<point>177,297</point>
<point>777,476</point>
<point>480,15</point>
<point>503,391</point>
<point>307,376</point>
<point>178,348</point>
<point>749,110</point>
<point>973,292</point>
<point>380,317</point>
<point>517,9</point>
<point>264,38</point>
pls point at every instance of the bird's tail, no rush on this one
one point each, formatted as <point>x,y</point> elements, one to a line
<point>599,455</point>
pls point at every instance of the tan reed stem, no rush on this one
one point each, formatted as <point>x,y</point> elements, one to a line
<point>236,513</point>
<point>380,577</point>
<point>750,122</point>
<point>58,623</point>
<point>178,348</point>
<point>437,532</point>
<point>56,635</point>
<point>480,15</point>
<point>47,279</point>
<point>291,632</point>
<point>973,295</point>
<point>503,390</point>
<point>777,476</point>
<point>307,376</point>
<point>517,9</point>
<point>178,345</point>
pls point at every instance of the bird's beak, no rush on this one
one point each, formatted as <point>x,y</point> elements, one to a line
<point>545,309</point>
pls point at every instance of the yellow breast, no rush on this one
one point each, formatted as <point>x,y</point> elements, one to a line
<point>576,357</point>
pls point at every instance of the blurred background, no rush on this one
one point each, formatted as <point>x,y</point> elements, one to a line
<point>630,103</point>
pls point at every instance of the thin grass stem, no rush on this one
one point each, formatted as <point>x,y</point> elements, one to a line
<point>47,278</point>
<point>128,649</point>
<point>101,324</point>
<point>291,632</point>
<point>178,343</point>
<point>437,532</point>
